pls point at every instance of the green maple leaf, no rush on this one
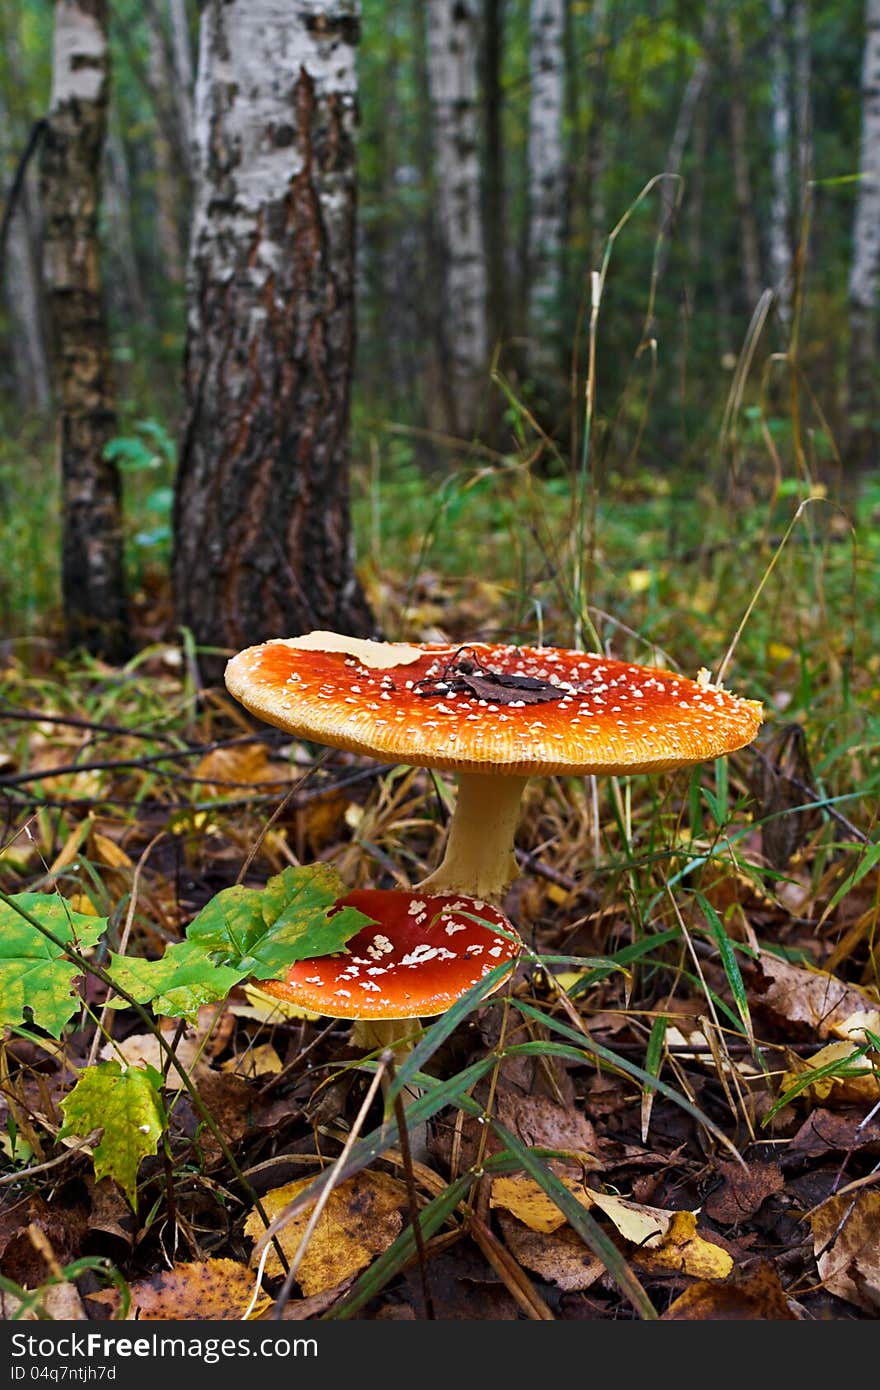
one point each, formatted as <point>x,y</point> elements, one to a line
<point>241,933</point>
<point>177,985</point>
<point>35,973</point>
<point>261,933</point>
<point>124,1102</point>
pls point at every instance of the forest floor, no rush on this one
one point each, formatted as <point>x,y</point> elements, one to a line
<point>671,1109</point>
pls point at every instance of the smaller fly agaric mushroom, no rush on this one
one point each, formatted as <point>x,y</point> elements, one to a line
<point>420,954</point>
<point>496,715</point>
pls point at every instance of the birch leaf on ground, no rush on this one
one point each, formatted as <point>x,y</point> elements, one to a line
<point>756,1295</point>
<point>361,1218</point>
<point>125,1105</point>
<point>846,1240</point>
<point>681,1250</point>
<point>856,1082</point>
<point>214,1290</point>
<point>529,1203</point>
<point>36,974</point>
<point>559,1256</point>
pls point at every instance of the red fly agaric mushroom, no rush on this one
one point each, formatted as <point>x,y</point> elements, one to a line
<point>420,954</point>
<point>496,715</point>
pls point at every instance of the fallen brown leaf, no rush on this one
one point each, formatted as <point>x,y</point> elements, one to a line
<point>754,1296</point>
<point>742,1190</point>
<point>846,1241</point>
<point>812,998</point>
<point>559,1256</point>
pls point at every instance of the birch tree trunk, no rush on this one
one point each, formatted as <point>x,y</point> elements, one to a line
<point>452,78</point>
<point>92,574</point>
<point>546,194</point>
<point>865,268</point>
<point>262,532</point>
<point>780,207</point>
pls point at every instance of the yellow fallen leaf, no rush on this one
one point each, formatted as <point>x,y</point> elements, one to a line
<point>261,1060</point>
<point>864,1086</point>
<point>362,1216</point>
<point>109,852</point>
<point>681,1250</point>
<point>529,1203</point>
<point>81,902</point>
<point>217,1290</point>
<point>643,1226</point>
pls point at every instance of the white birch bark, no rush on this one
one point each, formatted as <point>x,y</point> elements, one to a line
<point>546,164</point>
<point>262,533</point>
<point>865,267</point>
<point>780,206</point>
<point>452,78</point>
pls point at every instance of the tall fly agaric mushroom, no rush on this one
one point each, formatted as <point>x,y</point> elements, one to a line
<point>421,953</point>
<point>496,715</point>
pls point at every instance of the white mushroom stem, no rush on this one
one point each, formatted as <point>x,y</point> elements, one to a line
<point>479,851</point>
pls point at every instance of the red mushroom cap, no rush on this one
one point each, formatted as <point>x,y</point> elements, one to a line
<point>424,952</point>
<point>490,708</point>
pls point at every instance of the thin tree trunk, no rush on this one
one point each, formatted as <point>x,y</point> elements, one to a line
<point>596,141</point>
<point>865,268</point>
<point>670,191</point>
<point>93,589</point>
<point>23,289</point>
<point>742,182</point>
<point>126,289</point>
<point>496,238</point>
<point>780,207</point>
<point>183,73</point>
<point>168,193</point>
<point>546,195</point>
<point>452,75</point>
<point>262,531</point>
<point>803,97</point>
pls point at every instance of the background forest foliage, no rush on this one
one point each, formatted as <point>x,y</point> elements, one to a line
<point>644,86</point>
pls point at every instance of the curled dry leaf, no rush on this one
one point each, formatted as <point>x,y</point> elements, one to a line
<point>846,1241</point>
<point>754,1296</point>
<point>813,998</point>
<point>219,1290</point>
<point>361,1218</point>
